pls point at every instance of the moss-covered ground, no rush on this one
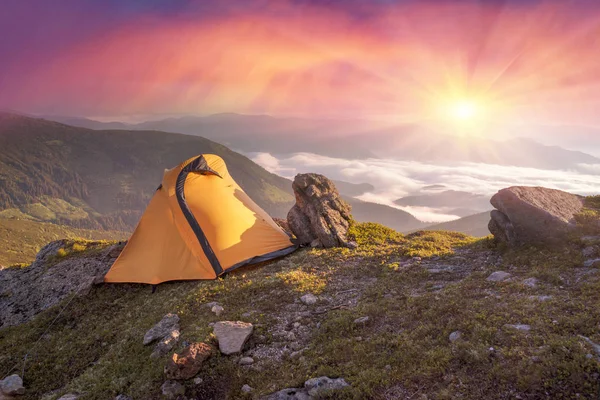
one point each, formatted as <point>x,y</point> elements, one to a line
<point>403,351</point>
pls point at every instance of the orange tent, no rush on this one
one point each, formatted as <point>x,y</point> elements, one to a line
<point>199,225</point>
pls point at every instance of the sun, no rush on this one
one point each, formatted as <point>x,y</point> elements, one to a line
<point>464,110</point>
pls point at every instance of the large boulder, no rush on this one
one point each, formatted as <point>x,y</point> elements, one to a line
<point>319,216</point>
<point>526,215</point>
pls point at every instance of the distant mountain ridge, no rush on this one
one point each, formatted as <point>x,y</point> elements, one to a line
<point>51,172</point>
<point>356,139</point>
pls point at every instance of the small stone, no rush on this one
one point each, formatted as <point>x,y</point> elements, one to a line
<point>317,386</point>
<point>592,263</point>
<point>352,245</point>
<point>530,282</point>
<point>454,336</point>
<point>519,327</point>
<point>12,385</point>
<point>166,344</point>
<point>246,389</point>
<point>218,310</point>
<point>172,389</point>
<point>187,364</point>
<point>588,252</point>
<point>416,259</point>
<point>316,243</point>
<point>388,367</point>
<point>361,320</point>
<point>308,299</point>
<point>166,325</point>
<point>297,325</point>
<point>122,397</point>
<point>589,356</point>
<point>358,338</point>
<point>289,394</point>
<point>232,335</point>
<point>198,381</point>
<point>498,276</point>
<point>69,396</point>
<point>540,298</point>
<point>246,361</point>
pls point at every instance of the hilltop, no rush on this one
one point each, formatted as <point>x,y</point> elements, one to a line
<point>417,316</point>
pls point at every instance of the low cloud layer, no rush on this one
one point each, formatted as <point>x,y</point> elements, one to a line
<point>394,179</point>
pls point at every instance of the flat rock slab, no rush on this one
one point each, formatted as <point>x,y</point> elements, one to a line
<point>232,335</point>
<point>166,344</point>
<point>498,276</point>
<point>166,325</point>
<point>318,386</point>
<point>188,363</point>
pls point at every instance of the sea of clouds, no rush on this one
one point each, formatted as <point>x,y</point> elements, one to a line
<point>394,179</point>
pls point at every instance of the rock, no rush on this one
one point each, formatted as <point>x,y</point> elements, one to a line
<point>69,396</point>
<point>218,310</point>
<point>246,389</point>
<point>39,287</point>
<point>498,276</point>
<point>592,263</point>
<point>198,381</point>
<point>316,244</point>
<point>589,252</point>
<point>122,397</point>
<point>166,325</point>
<point>595,346</point>
<point>454,336</point>
<point>590,239</point>
<point>172,389</point>
<point>526,215</point>
<point>232,335</point>
<point>319,212</point>
<point>188,363</point>
<point>289,394</point>
<point>361,320</point>
<point>317,386</point>
<point>12,385</point>
<point>309,299</point>
<point>519,327</point>
<point>166,344</point>
<point>530,282</point>
<point>540,298</point>
<point>246,361</point>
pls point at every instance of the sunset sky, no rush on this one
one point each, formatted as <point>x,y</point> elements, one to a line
<point>521,61</point>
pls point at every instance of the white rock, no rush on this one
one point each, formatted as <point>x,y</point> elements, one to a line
<point>361,320</point>
<point>166,325</point>
<point>218,310</point>
<point>454,336</point>
<point>531,282</point>
<point>246,361</point>
<point>232,335</point>
<point>69,396</point>
<point>498,276</point>
<point>308,299</point>
<point>519,327</point>
<point>317,386</point>
<point>198,380</point>
<point>246,389</point>
<point>592,263</point>
<point>12,385</point>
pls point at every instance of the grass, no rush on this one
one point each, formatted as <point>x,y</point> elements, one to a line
<point>95,347</point>
<point>22,239</point>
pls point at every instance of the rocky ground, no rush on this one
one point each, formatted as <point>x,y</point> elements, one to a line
<point>433,315</point>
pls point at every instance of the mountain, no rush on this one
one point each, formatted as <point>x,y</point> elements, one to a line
<point>104,179</point>
<point>356,139</point>
<point>353,189</point>
<point>85,178</point>
<point>474,225</point>
<point>454,202</point>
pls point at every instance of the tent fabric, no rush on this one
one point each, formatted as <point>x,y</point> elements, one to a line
<point>198,225</point>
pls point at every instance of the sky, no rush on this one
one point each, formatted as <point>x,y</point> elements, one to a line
<point>519,61</point>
